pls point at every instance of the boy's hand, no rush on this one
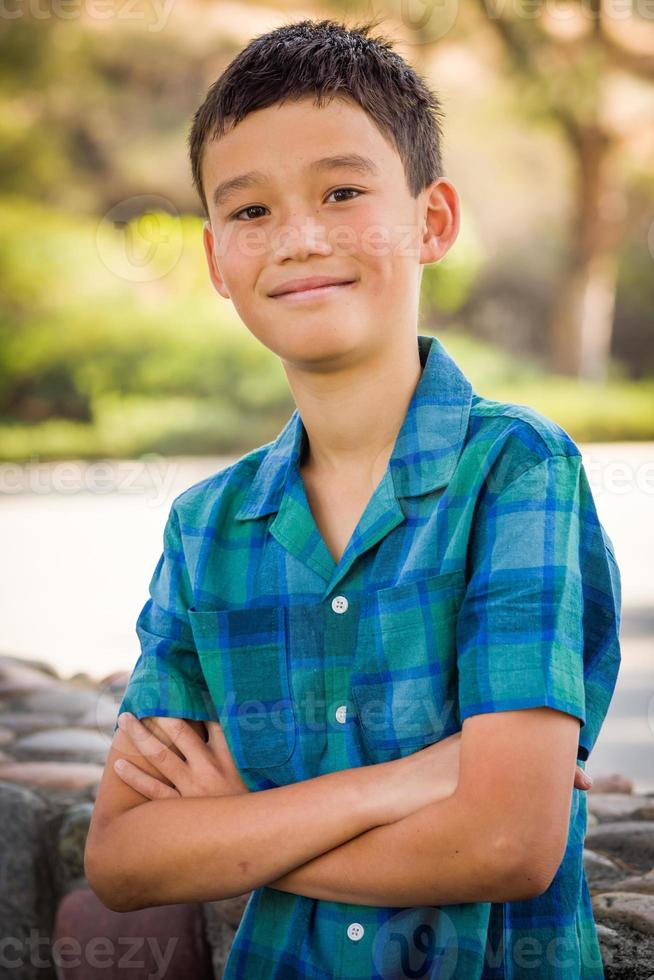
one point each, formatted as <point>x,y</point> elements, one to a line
<point>189,766</point>
<point>582,779</point>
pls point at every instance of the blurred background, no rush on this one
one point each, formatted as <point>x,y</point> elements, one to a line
<point>125,378</point>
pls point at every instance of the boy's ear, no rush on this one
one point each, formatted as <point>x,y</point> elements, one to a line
<point>441,221</point>
<point>214,271</point>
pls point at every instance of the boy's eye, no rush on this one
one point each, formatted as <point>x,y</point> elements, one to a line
<point>251,207</point>
<point>260,207</point>
<point>339,190</point>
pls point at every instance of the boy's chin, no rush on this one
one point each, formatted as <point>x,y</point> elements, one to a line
<point>311,339</point>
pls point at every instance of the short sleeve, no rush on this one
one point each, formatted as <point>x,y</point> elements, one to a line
<point>539,620</point>
<point>167,679</point>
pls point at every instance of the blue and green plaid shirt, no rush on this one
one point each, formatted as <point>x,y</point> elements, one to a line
<point>479,578</point>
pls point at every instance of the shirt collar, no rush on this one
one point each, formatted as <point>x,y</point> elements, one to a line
<point>426,450</point>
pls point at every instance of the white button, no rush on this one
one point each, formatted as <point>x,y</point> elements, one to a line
<point>341,712</point>
<point>339,603</point>
<point>355,931</point>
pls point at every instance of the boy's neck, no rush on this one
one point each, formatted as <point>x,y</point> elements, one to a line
<point>353,417</point>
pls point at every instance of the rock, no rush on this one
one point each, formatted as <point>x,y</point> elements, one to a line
<point>63,700</point>
<point>26,897</point>
<point>22,722</point>
<point>40,665</point>
<point>621,806</point>
<point>82,679</point>
<point>52,775</point>
<point>635,910</point>
<point>102,716</point>
<point>73,830</point>
<point>612,783</point>
<point>636,883</point>
<point>86,709</point>
<point>164,941</point>
<point>116,681</point>
<point>600,869</point>
<point>19,678</point>
<point>6,736</point>
<point>606,936</point>
<point>231,910</point>
<point>82,744</point>
<point>630,958</point>
<point>220,935</point>
<point>631,841</point>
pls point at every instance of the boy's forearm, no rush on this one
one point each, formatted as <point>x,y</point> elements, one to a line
<point>439,855</point>
<point>208,848</point>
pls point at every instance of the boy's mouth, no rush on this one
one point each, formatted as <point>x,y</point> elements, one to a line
<point>315,292</point>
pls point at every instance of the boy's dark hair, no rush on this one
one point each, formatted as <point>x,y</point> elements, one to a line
<point>325,58</point>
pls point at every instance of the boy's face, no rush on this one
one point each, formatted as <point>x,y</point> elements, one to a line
<point>375,236</point>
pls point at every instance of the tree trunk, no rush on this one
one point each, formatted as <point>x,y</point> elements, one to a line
<point>582,320</point>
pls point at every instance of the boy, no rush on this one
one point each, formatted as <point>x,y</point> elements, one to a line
<point>399,620</point>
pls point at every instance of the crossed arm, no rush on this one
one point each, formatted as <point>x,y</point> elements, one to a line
<point>499,836</point>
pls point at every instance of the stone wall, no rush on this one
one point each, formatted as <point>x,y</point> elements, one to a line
<point>54,737</point>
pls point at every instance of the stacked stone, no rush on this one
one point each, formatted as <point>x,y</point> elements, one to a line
<point>619,864</point>
<point>54,739</point>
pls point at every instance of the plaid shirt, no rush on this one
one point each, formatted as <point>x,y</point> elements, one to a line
<point>479,578</point>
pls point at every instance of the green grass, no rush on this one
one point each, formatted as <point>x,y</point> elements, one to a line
<point>130,426</point>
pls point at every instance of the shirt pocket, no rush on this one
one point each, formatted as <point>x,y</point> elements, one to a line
<point>243,655</point>
<point>405,680</point>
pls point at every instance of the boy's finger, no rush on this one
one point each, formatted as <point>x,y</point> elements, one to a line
<point>143,782</point>
<point>165,759</point>
<point>183,736</point>
<point>582,779</point>
<point>217,741</point>
<point>215,730</point>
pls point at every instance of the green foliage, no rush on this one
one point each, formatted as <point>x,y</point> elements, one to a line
<point>589,412</point>
<point>95,363</point>
<point>77,329</point>
<point>447,284</point>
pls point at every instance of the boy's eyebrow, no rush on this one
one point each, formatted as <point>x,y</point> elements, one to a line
<point>352,161</point>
